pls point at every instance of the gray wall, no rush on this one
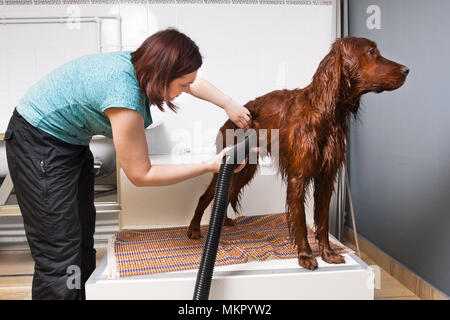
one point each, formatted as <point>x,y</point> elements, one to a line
<point>399,160</point>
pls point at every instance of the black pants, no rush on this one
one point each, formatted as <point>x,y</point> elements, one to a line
<point>54,184</point>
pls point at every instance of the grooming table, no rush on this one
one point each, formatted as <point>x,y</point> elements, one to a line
<point>272,279</point>
<point>138,270</point>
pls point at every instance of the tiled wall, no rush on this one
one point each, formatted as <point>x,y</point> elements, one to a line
<point>248,49</point>
<point>56,2</point>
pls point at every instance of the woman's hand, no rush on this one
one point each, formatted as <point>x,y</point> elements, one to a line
<point>203,89</point>
<point>213,164</point>
<point>239,114</point>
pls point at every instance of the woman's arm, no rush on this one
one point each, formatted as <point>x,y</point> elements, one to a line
<point>204,90</point>
<point>131,148</point>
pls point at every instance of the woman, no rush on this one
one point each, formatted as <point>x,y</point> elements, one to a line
<point>47,145</point>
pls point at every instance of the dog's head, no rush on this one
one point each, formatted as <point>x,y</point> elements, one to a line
<point>369,70</point>
<point>354,66</point>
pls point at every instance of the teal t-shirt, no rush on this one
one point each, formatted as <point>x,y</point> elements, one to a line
<point>70,101</point>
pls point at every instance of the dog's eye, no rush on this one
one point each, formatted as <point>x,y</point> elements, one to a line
<point>372,52</point>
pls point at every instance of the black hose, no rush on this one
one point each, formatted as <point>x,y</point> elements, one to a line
<point>206,269</point>
<point>230,162</point>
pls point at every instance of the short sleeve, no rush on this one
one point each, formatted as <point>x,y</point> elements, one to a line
<point>122,91</point>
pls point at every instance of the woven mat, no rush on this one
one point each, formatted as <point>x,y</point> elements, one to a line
<point>140,252</point>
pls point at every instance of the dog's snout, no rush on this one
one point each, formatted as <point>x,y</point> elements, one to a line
<point>404,70</point>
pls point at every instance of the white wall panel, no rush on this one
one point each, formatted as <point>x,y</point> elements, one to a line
<point>134,24</point>
<point>248,50</point>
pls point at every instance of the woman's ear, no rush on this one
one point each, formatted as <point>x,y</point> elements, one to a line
<point>189,88</point>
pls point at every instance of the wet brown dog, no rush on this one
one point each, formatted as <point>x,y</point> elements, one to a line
<point>313,125</point>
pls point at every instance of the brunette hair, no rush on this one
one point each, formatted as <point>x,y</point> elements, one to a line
<point>161,58</point>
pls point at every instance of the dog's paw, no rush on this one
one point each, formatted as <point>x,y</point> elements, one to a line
<point>308,262</point>
<point>229,222</point>
<point>194,233</point>
<point>330,256</point>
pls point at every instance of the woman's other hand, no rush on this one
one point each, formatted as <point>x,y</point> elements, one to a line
<point>214,163</point>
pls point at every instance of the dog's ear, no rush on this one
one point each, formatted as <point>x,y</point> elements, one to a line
<point>332,78</point>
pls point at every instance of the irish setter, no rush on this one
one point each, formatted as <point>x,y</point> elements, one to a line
<point>313,127</point>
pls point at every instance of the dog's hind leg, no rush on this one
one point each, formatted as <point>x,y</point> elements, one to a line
<point>204,201</point>
<point>239,181</point>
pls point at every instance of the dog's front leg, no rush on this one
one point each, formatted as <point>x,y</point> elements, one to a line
<point>323,189</point>
<point>297,222</point>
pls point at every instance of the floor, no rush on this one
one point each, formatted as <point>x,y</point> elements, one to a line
<point>16,274</point>
<point>389,287</point>
<point>16,269</point>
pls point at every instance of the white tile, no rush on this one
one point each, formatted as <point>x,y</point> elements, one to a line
<point>161,17</point>
<point>130,48</point>
<point>235,70</point>
<point>100,9</point>
<point>33,10</point>
<point>6,108</point>
<point>232,25</point>
<point>18,36</point>
<point>110,32</point>
<point>47,59</point>
<point>134,24</point>
<point>85,38</point>
<point>190,19</point>
<point>4,84</point>
<point>281,74</point>
<point>111,49</point>
<point>110,27</point>
<point>21,68</point>
<point>15,96</point>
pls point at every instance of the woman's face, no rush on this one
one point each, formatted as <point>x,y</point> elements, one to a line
<point>179,85</point>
